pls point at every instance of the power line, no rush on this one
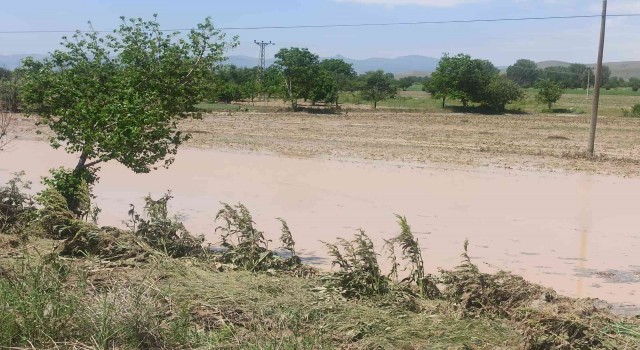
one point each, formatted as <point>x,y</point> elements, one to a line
<point>348,25</point>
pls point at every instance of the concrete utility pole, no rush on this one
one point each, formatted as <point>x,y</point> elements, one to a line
<point>596,87</point>
<point>262,45</point>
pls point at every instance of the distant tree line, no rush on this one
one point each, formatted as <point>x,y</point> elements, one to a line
<point>526,74</point>
<point>300,75</point>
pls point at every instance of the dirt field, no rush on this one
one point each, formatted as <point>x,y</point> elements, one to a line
<point>528,142</point>
<point>507,141</point>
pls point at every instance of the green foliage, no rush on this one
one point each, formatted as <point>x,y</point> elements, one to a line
<point>10,91</point>
<point>119,96</point>
<point>163,232</point>
<point>299,68</point>
<point>461,77</point>
<point>524,73</point>
<point>325,88</point>
<point>501,91</point>
<point>405,82</point>
<point>246,247</point>
<point>377,86</point>
<point>16,206</point>
<point>74,186</point>
<point>549,92</point>
<point>359,274</point>
<point>634,112</point>
<point>342,73</point>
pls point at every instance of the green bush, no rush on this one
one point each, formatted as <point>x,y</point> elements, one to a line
<point>15,205</point>
<point>74,186</point>
<point>633,113</point>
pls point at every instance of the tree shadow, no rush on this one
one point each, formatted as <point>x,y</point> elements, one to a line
<point>485,110</point>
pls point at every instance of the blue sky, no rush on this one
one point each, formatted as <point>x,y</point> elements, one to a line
<point>502,43</point>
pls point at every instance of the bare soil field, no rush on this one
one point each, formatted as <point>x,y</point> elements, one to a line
<point>524,142</point>
<point>527,142</point>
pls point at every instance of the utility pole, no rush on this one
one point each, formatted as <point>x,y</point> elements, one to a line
<point>596,87</point>
<point>262,45</point>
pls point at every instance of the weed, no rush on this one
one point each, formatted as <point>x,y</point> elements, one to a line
<point>359,274</point>
<point>411,251</point>
<point>246,247</point>
<point>163,232</point>
<point>16,206</point>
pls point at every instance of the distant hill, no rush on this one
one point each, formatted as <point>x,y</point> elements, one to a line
<point>624,70</point>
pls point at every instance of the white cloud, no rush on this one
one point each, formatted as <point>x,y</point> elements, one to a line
<point>428,3</point>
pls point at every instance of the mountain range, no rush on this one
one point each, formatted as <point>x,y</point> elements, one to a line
<point>399,66</point>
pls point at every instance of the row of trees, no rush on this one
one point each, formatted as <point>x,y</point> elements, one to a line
<point>299,74</point>
<point>526,74</point>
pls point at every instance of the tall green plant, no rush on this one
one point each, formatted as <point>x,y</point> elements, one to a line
<point>359,271</point>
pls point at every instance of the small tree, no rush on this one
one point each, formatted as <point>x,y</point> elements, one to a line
<point>378,86</point>
<point>405,82</point>
<point>549,92</point>
<point>502,91</point>
<point>119,96</point>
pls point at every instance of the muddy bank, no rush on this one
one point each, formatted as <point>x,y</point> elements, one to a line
<point>577,233</point>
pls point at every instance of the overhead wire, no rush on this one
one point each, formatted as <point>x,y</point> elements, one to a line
<point>347,25</point>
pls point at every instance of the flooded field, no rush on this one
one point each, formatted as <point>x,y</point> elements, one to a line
<point>575,232</point>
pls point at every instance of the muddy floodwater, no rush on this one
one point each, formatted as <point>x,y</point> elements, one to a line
<point>577,233</point>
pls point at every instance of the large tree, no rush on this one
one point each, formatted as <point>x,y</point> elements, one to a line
<point>299,68</point>
<point>462,78</point>
<point>119,96</point>
<point>342,74</point>
<point>524,73</point>
<point>378,86</point>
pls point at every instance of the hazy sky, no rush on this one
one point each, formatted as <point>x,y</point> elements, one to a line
<point>502,43</point>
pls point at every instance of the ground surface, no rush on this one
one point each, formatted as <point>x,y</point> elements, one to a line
<point>549,142</point>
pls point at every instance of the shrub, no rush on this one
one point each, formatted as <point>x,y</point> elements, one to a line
<point>74,186</point>
<point>633,113</point>
<point>163,232</point>
<point>15,205</point>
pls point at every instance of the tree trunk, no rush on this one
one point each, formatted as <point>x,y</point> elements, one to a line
<point>550,106</point>
<point>375,104</point>
<point>443,99</point>
<point>81,162</point>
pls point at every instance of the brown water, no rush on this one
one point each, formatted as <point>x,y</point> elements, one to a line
<point>577,233</point>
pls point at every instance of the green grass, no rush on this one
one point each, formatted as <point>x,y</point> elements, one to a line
<point>605,92</point>
<point>612,103</point>
<point>210,107</point>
